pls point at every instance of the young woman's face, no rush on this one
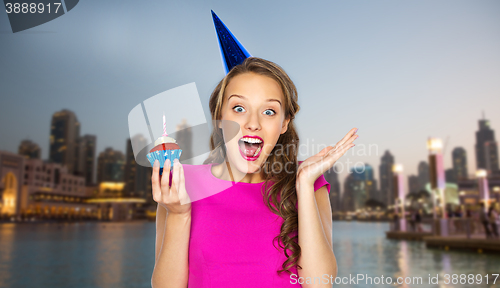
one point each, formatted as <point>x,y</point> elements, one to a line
<point>256,103</point>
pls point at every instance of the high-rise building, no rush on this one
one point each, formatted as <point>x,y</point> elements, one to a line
<point>79,157</point>
<point>332,177</point>
<point>423,174</point>
<point>136,176</point>
<point>450,176</point>
<point>413,184</point>
<point>85,159</point>
<point>486,148</point>
<point>64,133</point>
<point>491,151</point>
<point>359,187</point>
<point>348,196</point>
<point>184,138</point>
<point>459,158</point>
<point>110,166</point>
<point>29,149</point>
<point>387,193</point>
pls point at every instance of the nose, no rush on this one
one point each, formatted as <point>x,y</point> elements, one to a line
<point>253,123</point>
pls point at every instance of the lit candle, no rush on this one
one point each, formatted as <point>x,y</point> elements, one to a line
<point>164,126</point>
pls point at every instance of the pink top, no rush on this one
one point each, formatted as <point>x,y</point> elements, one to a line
<point>232,232</point>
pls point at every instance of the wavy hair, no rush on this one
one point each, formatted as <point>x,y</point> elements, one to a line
<point>281,198</point>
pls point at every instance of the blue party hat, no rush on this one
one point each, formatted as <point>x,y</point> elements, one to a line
<point>231,50</point>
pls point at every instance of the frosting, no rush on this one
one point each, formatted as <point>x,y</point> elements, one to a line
<point>164,139</point>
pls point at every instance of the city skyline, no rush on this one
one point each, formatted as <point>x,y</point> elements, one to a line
<point>118,173</point>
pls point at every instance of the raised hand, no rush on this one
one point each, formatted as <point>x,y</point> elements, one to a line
<point>173,197</point>
<point>316,165</point>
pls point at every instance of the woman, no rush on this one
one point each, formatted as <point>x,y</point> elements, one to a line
<point>245,234</point>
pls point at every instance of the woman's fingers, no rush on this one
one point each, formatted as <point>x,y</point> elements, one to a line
<point>175,177</point>
<point>165,185</point>
<point>347,137</point>
<point>171,194</point>
<point>183,196</point>
<point>333,155</point>
<point>329,155</point>
<point>325,151</point>
<point>318,157</point>
<point>155,181</point>
<point>347,140</point>
<point>341,150</point>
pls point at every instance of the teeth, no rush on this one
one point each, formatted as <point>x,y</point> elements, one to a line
<point>256,152</point>
<point>251,140</point>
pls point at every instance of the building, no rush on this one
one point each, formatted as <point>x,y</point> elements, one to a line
<point>387,193</point>
<point>110,166</point>
<point>33,188</point>
<point>486,148</point>
<point>359,187</point>
<point>450,176</point>
<point>423,174</point>
<point>491,158</point>
<point>85,160</point>
<point>332,177</point>
<point>52,192</point>
<point>348,196</point>
<point>112,204</point>
<point>64,134</point>
<point>136,175</point>
<point>29,149</point>
<point>36,189</point>
<point>413,184</point>
<point>11,183</point>
<point>459,158</point>
<point>468,192</point>
<point>138,179</point>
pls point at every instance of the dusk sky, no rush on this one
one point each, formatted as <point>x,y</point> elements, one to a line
<point>400,71</point>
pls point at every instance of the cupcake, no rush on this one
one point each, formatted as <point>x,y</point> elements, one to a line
<point>165,148</point>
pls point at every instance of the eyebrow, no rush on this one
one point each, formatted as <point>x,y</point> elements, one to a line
<point>243,97</point>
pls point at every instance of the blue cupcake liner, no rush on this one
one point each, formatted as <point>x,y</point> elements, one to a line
<point>162,156</point>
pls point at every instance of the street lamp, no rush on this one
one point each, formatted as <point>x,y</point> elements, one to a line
<point>397,169</point>
<point>482,182</point>
<point>436,169</point>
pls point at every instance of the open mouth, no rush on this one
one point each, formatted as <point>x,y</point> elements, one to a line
<point>250,147</point>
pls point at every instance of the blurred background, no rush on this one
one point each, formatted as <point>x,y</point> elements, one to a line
<point>416,197</point>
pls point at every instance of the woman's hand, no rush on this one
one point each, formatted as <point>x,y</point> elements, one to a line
<point>173,197</point>
<point>316,165</point>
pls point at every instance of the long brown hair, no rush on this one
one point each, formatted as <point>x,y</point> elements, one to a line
<point>282,196</point>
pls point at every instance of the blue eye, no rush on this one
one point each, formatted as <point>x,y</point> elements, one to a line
<point>270,110</point>
<point>239,107</point>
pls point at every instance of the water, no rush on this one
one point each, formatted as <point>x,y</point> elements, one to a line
<point>361,248</point>
<point>122,255</point>
<point>77,255</point>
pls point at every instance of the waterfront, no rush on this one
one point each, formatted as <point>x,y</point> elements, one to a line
<point>361,248</point>
<point>106,254</point>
